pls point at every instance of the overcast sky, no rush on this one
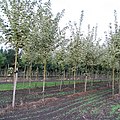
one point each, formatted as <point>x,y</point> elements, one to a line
<point>95,11</point>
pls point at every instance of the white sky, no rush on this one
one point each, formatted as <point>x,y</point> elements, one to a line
<point>95,11</point>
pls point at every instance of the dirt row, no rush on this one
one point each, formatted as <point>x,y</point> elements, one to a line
<point>24,96</point>
<point>95,104</point>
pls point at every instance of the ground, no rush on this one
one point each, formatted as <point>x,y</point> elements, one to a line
<point>95,104</point>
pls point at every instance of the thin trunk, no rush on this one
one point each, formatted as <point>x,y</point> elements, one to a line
<point>30,72</point>
<point>5,73</point>
<point>86,78</point>
<point>74,80</point>
<point>119,86</point>
<point>61,84</point>
<point>64,75</point>
<point>62,80</point>
<point>15,78</point>
<point>37,73</point>
<point>44,78</point>
<point>113,81</point>
<point>118,82</point>
<point>24,74</point>
<point>108,78</point>
<point>119,79</point>
<point>92,76</point>
<point>27,74</point>
<point>7,69</point>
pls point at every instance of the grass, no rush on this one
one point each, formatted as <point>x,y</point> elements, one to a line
<point>115,108</point>
<point>9,86</point>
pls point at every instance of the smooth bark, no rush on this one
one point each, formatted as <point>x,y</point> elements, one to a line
<point>15,78</point>
<point>74,80</point>
<point>113,81</point>
<point>44,78</point>
<point>86,79</point>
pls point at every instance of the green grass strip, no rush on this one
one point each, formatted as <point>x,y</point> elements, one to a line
<point>26,85</point>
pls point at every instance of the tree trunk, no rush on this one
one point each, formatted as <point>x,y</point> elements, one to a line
<point>64,77</point>
<point>44,78</point>
<point>30,73</point>
<point>74,81</point>
<point>27,73</point>
<point>61,84</point>
<point>86,78</point>
<point>5,72</point>
<point>119,79</point>
<point>24,74</point>
<point>37,73</point>
<point>119,86</point>
<point>62,80</point>
<point>15,77</point>
<point>118,82</point>
<point>108,78</point>
<point>113,81</point>
<point>93,75</point>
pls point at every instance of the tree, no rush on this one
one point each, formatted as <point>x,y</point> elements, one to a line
<point>45,35</point>
<point>114,49</point>
<point>88,54</point>
<point>15,28</point>
<point>61,60</point>
<point>75,48</point>
<point>61,53</point>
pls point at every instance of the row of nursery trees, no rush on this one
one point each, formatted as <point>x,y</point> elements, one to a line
<point>31,29</point>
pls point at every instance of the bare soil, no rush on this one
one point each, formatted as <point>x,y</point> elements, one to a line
<point>95,104</point>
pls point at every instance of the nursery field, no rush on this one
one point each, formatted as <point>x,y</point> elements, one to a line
<point>95,104</point>
<point>54,71</point>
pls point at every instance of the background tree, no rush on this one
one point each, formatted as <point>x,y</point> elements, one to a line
<point>113,46</point>
<point>75,48</point>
